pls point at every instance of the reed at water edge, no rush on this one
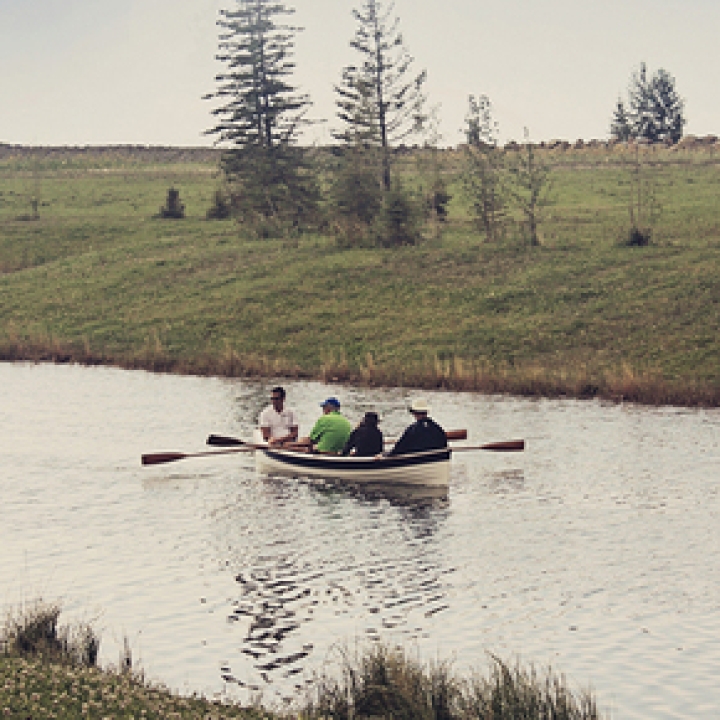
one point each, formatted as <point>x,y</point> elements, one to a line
<point>621,384</point>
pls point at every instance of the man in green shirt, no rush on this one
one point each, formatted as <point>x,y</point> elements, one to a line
<point>331,431</point>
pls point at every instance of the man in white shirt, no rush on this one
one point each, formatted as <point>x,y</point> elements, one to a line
<point>278,424</point>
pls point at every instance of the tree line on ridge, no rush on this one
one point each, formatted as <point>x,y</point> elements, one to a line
<point>358,191</point>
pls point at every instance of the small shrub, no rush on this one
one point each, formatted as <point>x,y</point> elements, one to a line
<point>352,233</point>
<point>400,219</point>
<point>221,209</point>
<point>438,201</point>
<point>173,208</point>
<point>35,215</point>
<point>638,237</point>
<point>357,198</point>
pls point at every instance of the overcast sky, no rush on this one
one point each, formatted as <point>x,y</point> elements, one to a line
<point>89,72</point>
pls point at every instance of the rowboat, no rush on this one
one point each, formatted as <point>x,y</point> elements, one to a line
<point>427,469</point>
<point>430,468</point>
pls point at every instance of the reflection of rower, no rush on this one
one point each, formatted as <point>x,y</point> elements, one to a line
<point>423,434</point>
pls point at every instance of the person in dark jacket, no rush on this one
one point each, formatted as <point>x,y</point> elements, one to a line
<point>366,439</point>
<point>423,434</point>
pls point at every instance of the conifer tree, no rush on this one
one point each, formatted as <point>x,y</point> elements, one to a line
<point>620,128</point>
<point>380,100</point>
<point>655,110</point>
<point>259,115</point>
<point>666,117</point>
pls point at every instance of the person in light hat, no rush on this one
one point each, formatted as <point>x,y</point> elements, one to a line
<point>423,434</point>
<point>331,431</point>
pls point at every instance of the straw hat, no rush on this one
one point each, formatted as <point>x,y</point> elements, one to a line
<point>419,405</point>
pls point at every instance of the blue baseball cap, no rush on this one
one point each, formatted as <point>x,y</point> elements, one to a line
<point>331,401</point>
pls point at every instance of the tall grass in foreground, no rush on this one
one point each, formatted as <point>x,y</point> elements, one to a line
<point>387,683</point>
<point>48,672</point>
<point>33,631</point>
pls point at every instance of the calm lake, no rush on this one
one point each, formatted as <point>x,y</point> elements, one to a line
<point>596,551</point>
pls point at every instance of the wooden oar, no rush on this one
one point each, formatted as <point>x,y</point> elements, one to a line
<point>168,457</point>
<point>225,441</point>
<point>505,446</point>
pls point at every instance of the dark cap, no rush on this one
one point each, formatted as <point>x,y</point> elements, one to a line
<point>331,401</point>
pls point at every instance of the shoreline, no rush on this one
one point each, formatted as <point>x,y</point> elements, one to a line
<point>625,386</point>
<point>92,276</point>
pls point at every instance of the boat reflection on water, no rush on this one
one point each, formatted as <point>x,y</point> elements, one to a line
<point>399,494</point>
<point>395,494</point>
<point>382,573</point>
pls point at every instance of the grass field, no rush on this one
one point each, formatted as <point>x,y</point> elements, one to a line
<point>96,278</point>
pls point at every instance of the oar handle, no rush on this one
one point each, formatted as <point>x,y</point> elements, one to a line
<point>456,434</point>
<point>504,446</point>
<point>157,458</point>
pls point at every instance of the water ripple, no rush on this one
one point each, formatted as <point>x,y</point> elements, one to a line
<point>594,551</point>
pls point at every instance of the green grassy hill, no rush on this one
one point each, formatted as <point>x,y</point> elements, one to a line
<point>97,278</point>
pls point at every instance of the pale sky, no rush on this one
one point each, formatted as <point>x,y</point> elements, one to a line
<point>91,72</point>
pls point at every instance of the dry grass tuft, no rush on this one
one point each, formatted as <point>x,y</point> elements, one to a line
<point>387,683</point>
<point>33,631</point>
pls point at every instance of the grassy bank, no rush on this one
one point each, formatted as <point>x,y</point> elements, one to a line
<point>49,672</point>
<point>95,278</point>
<point>388,686</point>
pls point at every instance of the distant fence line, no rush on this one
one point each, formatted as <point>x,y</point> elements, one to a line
<point>144,152</point>
<point>212,154</point>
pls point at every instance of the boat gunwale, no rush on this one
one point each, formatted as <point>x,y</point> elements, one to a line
<point>322,461</point>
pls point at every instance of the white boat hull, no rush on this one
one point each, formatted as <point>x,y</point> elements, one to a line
<point>430,468</point>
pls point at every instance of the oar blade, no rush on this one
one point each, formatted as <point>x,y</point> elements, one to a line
<point>223,441</point>
<point>505,446</point>
<point>164,457</point>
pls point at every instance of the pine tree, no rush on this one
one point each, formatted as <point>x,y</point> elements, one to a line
<point>668,107</point>
<point>379,100</point>
<point>260,114</point>
<point>620,128</point>
<point>655,111</point>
